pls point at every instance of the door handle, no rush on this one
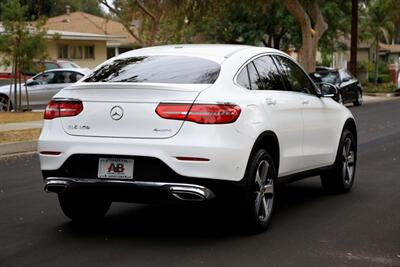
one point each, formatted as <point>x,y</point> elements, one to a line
<point>270,101</point>
<point>305,102</point>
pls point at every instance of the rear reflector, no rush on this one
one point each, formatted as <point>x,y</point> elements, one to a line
<point>199,113</point>
<point>192,159</point>
<point>54,153</point>
<point>64,108</point>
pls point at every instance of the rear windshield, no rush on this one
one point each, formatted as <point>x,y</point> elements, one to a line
<point>158,69</point>
<point>68,65</point>
<point>329,77</point>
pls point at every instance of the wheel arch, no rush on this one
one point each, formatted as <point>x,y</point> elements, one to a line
<point>270,142</point>
<point>350,125</point>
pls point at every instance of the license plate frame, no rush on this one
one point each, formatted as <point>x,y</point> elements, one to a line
<point>115,168</point>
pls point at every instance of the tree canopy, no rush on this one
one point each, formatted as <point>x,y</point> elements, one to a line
<point>50,8</point>
<point>20,42</point>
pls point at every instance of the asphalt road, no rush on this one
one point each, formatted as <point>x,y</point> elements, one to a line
<point>309,228</point>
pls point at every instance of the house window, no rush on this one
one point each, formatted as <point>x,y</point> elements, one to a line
<point>89,51</point>
<point>76,52</point>
<point>63,51</point>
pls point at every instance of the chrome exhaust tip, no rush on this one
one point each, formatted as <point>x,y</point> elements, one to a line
<point>191,193</point>
<point>56,186</point>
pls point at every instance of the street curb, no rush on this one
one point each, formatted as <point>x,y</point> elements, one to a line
<point>18,147</point>
<point>383,94</point>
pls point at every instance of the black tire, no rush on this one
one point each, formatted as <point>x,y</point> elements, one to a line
<point>83,208</point>
<point>340,179</point>
<point>258,204</point>
<point>359,99</point>
<point>3,103</point>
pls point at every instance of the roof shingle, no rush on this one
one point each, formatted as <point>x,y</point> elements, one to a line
<point>83,22</point>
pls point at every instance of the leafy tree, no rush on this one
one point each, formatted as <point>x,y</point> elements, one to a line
<point>394,15</point>
<point>20,43</point>
<point>50,8</point>
<point>280,27</point>
<point>233,21</point>
<point>337,14</point>
<point>141,19</point>
<point>88,6</point>
<point>38,8</point>
<point>310,19</point>
<point>378,23</point>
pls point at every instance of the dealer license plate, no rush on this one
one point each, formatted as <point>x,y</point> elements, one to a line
<point>113,168</point>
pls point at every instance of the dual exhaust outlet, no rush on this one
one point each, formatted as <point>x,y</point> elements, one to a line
<point>181,192</point>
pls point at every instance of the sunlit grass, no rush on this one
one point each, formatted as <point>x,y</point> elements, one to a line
<point>19,135</point>
<point>8,117</point>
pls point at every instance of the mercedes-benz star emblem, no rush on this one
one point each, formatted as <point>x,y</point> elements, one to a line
<point>116,113</point>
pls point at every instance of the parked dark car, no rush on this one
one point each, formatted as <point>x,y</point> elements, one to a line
<point>349,88</point>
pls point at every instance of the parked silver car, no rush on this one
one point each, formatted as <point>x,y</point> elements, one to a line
<point>42,87</point>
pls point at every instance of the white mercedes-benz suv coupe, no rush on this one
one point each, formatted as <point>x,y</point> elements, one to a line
<point>194,123</point>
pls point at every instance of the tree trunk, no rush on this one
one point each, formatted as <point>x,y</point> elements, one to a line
<point>15,84</point>
<point>376,62</point>
<point>354,37</point>
<point>19,85</point>
<point>269,44</point>
<point>310,36</point>
<point>277,41</point>
<point>26,94</point>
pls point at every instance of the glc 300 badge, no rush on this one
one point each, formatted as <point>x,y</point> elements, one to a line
<point>116,113</point>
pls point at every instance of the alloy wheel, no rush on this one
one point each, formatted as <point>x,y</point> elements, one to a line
<point>359,97</point>
<point>348,161</point>
<point>264,191</point>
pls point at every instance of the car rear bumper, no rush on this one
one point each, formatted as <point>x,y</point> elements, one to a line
<point>131,190</point>
<point>225,149</point>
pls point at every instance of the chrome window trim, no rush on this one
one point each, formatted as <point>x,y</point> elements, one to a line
<point>272,54</point>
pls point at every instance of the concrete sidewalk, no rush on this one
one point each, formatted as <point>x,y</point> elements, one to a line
<point>19,147</point>
<point>372,99</point>
<point>20,125</point>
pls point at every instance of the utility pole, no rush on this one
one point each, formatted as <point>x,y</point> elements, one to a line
<point>354,37</point>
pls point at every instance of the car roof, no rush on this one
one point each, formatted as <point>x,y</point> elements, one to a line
<point>216,52</point>
<point>63,60</point>
<point>81,70</point>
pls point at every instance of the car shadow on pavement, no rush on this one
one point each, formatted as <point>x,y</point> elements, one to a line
<point>165,222</point>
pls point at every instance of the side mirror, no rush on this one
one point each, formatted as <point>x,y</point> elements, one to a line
<point>328,90</point>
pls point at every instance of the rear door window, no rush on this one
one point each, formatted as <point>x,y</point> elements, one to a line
<point>296,77</point>
<point>270,78</point>
<point>158,69</point>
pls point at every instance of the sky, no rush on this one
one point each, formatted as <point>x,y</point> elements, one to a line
<point>104,8</point>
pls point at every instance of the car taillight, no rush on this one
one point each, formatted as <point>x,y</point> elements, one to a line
<point>64,108</point>
<point>199,113</point>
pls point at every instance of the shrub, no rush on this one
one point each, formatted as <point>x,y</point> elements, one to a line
<point>379,88</point>
<point>382,78</point>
